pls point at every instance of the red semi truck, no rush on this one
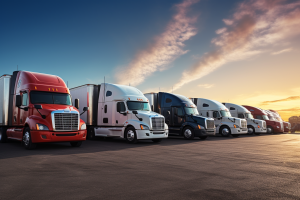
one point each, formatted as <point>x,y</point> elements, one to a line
<point>286,125</point>
<point>37,108</point>
<point>272,126</point>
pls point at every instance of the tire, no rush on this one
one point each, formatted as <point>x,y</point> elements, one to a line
<point>251,130</point>
<point>27,139</point>
<point>270,129</point>
<point>156,140</point>
<point>225,133</point>
<point>3,136</point>
<point>130,135</point>
<point>203,137</point>
<point>188,133</point>
<point>91,133</point>
<point>76,144</point>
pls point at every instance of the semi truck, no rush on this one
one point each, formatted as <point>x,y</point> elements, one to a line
<point>255,126</point>
<point>286,125</point>
<point>37,108</point>
<point>181,115</point>
<point>226,125</point>
<point>272,126</point>
<point>272,116</point>
<point>118,111</point>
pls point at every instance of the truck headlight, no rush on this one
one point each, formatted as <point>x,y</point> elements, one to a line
<point>83,127</point>
<point>144,127</point>
<point>235,126</point>
<point>41,127</point>
<point>277,126</point>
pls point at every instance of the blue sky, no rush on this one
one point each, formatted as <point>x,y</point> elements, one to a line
<point>227,56</point>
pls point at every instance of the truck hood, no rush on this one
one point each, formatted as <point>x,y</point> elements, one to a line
<point>148,114</point>
<point>48,108</point>
<point>147,117</point>
<point>240,122</point>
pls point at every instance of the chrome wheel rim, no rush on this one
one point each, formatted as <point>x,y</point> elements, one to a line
<point>250,130</point>
<point>26,138</point>
<point>187,133</point>
<point>225,131</point>
<point>269,130</point>
<point>130,135</point>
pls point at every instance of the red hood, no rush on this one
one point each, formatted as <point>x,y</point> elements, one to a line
<point>53,107</point>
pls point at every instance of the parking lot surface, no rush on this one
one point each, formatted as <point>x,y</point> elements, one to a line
<point>248,167</point>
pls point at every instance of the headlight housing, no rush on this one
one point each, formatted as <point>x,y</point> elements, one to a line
<point>144,127</point>
<point>83,127</point>
<point>277,126</point>
<point>41,127</point>
<point>235,126</point>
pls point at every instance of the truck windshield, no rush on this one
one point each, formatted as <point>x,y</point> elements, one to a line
<point>225,113</point>
<point>271,118</point>
<point>191,111</point>
<point>50,98</point>
<point>265,117</point>
<point>137,105</point>
<point>249,116</point>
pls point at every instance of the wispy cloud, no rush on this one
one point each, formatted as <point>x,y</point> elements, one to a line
<point>296,109</point>
<point>206,85</point>
<point>167,47</point>
<point>282,51</point>
<point>281,100</point>
<point>254,27</point>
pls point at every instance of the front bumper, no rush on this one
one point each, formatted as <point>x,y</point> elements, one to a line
<point>150,134</point>
<point>204,132</point>
<point>51,136</point>
<point>239,131</point>
<point>260,130</point>
<point>287,129</point>
<point>277,130</point>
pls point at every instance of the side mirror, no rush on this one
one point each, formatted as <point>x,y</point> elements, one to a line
<point>85,109</point>
<point>134,112</point>
<point>77,104</point>
<point>38,106</point>
<point>18,101</point>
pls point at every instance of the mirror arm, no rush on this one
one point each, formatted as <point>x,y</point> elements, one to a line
<point>43,116</point>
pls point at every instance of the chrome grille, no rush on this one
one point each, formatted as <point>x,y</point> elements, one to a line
<point>243,123</point>
<point>66,121</point>
<point>264,124</point>
<point>210,124</point>
<point>158,123</point>
<point>281,125</point>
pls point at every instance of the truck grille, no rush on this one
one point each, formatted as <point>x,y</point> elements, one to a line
<point>66,121</point>
<point>243,123</point>
<point>158,123</point>
<point>281,125</point>
<point>264,124</point>
<point>210,124</point>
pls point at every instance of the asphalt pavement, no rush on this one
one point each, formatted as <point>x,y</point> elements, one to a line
<point>248,167</point>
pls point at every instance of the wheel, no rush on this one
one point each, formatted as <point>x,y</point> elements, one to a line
<point>203,137</point>
<point>235,135</point>
<point>3,136</point>
<point>76,144</point>
<point>270,129</point>
<point>251,130</point>
<point>188,133</point>
<point>91,133</point>
<point>156,140</point>
<point>225,131</point>
<point>130,135</point>
<point>27,139</point>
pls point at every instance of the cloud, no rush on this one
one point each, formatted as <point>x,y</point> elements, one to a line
<point>206,85</point>
<point>296,109</point>
<point>282,51</point>
<point>254,27</point>
<point>167,47</point>
<point>281,100</point>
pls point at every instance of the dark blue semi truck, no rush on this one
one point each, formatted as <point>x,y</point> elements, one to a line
<point>181,115</point>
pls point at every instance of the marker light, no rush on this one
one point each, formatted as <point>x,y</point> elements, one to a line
<point>41,127</point>
<point>258,126</point>
<point>199,126</point>
<point>234,125</point>
<point>144,127</point>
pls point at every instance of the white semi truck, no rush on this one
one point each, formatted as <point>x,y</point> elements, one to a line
<point>118,111</point>
<point>255,126</point>
<point>226,125</point>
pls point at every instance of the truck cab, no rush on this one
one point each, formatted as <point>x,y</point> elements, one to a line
<point>272,126</point>
<point>273,117</point>
<point>39,109</point>
<point>254,126</point>
<point>226,125</point>
<point>119,111</point>
<point>181,115</point>
<point>286,125</point>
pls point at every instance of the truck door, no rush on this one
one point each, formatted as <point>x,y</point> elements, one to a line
<point>177,118</point>
<point>217,117</point>
<point>24,112</point>
<point>120,114</point>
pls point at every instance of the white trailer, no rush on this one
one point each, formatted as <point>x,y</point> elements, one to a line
<point>255,126</point>
<point>119,111</point>
<point>226,125</point>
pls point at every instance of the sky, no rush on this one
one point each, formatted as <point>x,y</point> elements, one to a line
<point>244,52</point>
